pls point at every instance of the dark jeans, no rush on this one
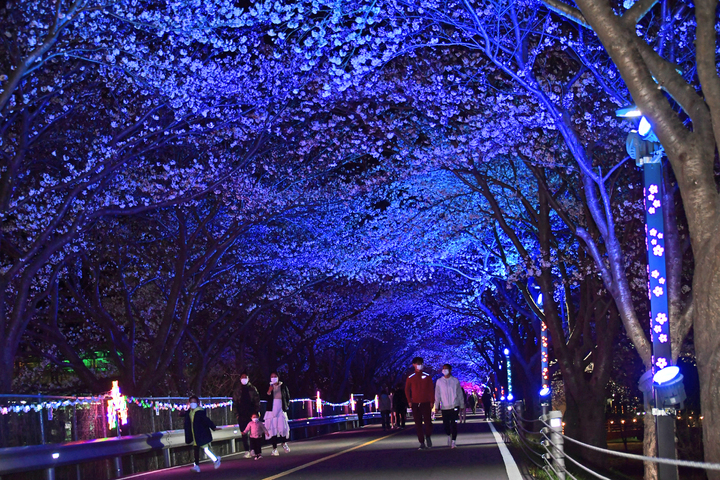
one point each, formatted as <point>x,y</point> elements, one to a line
<point>450,422</point>
<point>196,453</point>
<point>401,415</point>
<point>385,416</point>
<point>243,420</point>
<point>423,421</point>
<point>277,439</point>
<point>488,409</point>
<point>256,444</point>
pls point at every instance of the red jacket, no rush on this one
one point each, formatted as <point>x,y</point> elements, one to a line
<point>419,388</point>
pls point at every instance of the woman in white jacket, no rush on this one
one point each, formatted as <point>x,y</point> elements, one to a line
<point>449,399</point>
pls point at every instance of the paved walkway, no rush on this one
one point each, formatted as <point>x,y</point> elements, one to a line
<point>368,453</point>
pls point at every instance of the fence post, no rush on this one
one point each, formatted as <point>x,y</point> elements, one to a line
<point>557,449</point>
<point>118,465</point>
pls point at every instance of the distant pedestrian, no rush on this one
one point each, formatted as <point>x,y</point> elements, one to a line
<point>385,406</point>
<point>449,399</point>
<point>473,401</point>
<point>420,393</point>
<point>246,403</point>
<point>400,403</point>
<point>462,414</point>
<point>487,402</point>
<point>276,419</point>
<point>256,431</point>
<point>197,432</point>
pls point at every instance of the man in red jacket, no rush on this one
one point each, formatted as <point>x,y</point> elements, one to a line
<point>420,393</point>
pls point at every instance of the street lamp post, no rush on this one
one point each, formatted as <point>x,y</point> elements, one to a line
<point>545,391</point>
<point>509,375</point>
<point>643,146</point>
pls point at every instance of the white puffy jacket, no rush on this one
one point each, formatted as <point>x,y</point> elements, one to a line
<point>448,394</point>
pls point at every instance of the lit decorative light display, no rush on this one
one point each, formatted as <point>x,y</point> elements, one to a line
<point>352,402</point>
<point>544,360</point>
<point>657,271</point>
<point>318,404</point>
<point>116,407</point>
<point>509,373</point>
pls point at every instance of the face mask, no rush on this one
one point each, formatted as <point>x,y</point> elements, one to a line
<point>193,405</point>
<point>256,419</point>
<point>419,367</point>
<point>273,380</point>
<point>446,371</point>
<point>244,381</point>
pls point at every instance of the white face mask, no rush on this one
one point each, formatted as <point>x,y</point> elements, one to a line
<point>193,405</point>
<point>244,381</point>
<point>446,371</point>
<point>256,419</point>
<point>419,367</point>
<point>273,380</point>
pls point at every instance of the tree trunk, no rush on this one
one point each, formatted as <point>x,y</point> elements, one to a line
<point>706,293</point>
<point>585,421</point>
<point>7,367</point>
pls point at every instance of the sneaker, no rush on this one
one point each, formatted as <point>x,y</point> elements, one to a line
<point>195,468</point>
<point>258,457</point>
<point>429,442</point>
<point>452,445</point>
<point>274,452</point>
<point>286,447</point>
<point>216,463</point>
<point>449,440</point>
<point>422,447</point>
<point>248,454</point>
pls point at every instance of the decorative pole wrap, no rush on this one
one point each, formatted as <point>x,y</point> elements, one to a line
<point>657,271</point>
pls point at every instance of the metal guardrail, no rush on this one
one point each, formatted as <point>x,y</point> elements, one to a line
<point>48,457</point>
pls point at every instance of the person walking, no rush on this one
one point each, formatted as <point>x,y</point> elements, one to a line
<point>276,419</point>
<point>246,403</point>
<point>385,406</point>
<point>487,402</point>
<point>449,399</point>
<point>256,430</point>
<point>400,403</point>
<point>197,432</point>
<point>420,392</point>
<point>473,402</point>
<point>462,417</point>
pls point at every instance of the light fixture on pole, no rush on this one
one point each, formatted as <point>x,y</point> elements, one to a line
<point>643,146</point>
<point>510,396</point>
<point>537,296</point>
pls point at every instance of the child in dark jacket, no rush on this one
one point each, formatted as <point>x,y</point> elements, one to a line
<point>197,432</point>
<point>257,430</point>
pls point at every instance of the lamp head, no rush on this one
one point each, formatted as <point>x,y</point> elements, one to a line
<point>628,112</point>
<point>545,392</point>
<point>669,389</point>
<point>506,352</point>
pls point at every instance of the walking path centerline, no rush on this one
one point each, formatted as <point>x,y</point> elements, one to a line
<point>330,457</point>
<point>367,453</point>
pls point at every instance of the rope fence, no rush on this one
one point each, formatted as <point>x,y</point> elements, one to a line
<point>551,446</point>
